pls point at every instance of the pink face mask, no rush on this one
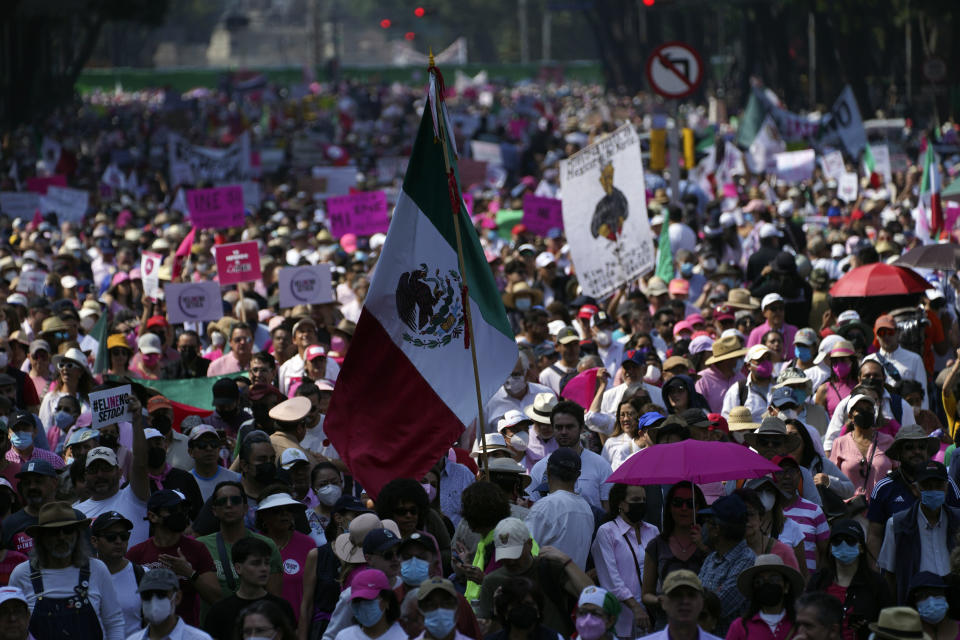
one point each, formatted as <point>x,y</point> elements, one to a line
<point>338,344</point>
<point>842,369</point>
<point>764,370</point>
<point>151,359</point>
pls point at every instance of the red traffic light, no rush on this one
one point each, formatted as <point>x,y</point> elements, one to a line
<point>409,35</point>
<point>419,12</point>
<point>385,23</point>
<point>648,3</point>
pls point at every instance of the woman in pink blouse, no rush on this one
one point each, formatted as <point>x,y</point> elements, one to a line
<point>860,451</point>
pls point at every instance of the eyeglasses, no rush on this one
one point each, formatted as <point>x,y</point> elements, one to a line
<point>681,502</point>
<point>113,537</point>
<point>67,364</point>
<point>241,340</point>
<point>206,446</point>
<point>232,500</point>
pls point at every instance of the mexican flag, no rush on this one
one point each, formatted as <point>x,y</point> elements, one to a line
<point>406,390</point>
<point>870,167</point>
<point>930,206</point>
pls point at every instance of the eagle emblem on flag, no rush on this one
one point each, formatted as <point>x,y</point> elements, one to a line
<point>431,306</point>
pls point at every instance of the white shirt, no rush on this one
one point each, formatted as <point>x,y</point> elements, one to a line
<point>682,237</point>
<point>501,402</point>
<point>617,449</point>
<point>60,583</point>
<point>665,635</point>
<point>615,552</point>
<point>563,520</point>
<point>758,399</point>
<point>292,370</point>
<point>839,418</point>
<point>550,378</point>
<point>314,441</point>
<point>355,632</point>
<point>612,397</point>
<point>909,365</point>
<point>591,484</point>
<point>182,631</point>
<point>818,374</point>
<point>128,504</point>
<point>612,356</point>
<point>934,554</point>
<point>125,584</point>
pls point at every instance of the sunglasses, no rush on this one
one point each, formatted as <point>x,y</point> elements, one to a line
<point>409,511</point>
<point>242,340</point>
<point>231,500</point>
<point>67,364</point>
<point>113,537</point>
<point>681,502</point>
<point>769,442</point>
<point>206,446</point>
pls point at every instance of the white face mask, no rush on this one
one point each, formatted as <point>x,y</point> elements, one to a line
<point>788,414</point>
<point>652,374</point>
<point>604,338</point>
<point>156,610</point>
<point>515,385</point>
<point>518,441</point>
<point>87,323</point>
<point>767,499</point>
<point>328,494</point>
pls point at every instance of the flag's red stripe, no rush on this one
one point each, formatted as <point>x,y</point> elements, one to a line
<point>384,420</point>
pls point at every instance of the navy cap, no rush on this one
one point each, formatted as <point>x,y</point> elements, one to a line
<point>379,540</point>
<point>926,580</point>
<point>564,458</point>
<point>19,417</point>
<point>161,579</point>
<point>931,471</point>
<point>108,518</point>
<point>848,527</point>
<point>40,467</point>
<point>727,508</point>
<point>634,356</point>
<point>349,503</point>
<point>165,499</point>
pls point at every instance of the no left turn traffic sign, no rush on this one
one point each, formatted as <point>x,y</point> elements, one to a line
<point>674,70</point>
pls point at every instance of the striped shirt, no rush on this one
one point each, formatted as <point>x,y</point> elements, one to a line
<point>38,454</point>
<point>813,524</point>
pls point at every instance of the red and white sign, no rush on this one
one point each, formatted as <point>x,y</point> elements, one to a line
<point>150,273</point>
<point>674,70</point>
<point>238,262</point>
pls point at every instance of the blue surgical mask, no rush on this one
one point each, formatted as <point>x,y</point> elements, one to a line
<point>686,269</point>
<point>414,571</point>
<point>439,622</point>
<point>930,499</point>
<point>367,612</point>
<point>844,552</point>
<point>63,419</point>
<point>23,440</point>
<point>803,352</point>
<point>933,609</point>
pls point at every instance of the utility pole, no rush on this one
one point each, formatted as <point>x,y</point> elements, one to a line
<point>524,36</point>
<point>545,34</point>
<point>909,45</point>
<point>812,48</point>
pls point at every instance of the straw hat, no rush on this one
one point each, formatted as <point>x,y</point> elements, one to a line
<point>542,407</point>
<point>349,546</point>
<point>727,348</point>
<point>771,426</point>
<point>769,562</point>
<point>56,515</point>
<point>522,288</point>
<point>741,299</point>
<point>741,419</point>
<point>898,623</point>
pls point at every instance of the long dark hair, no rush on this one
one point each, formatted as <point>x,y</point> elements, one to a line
<point>810,453</point>
<point>273,614</point>
<point>403,490</point>
<point>699,502</point>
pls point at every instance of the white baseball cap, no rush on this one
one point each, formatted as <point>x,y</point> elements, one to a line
<point>149,343</point>
<point>756,352</point>
<point>545,259</point>
<point>12,593</point>
<point>292,456</point>
<point>768,230</point>
<point>509,537</point>
<point>511,418</point>
<point>769,299</point>
<point>101,453</point>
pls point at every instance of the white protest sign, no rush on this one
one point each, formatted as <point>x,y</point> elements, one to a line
<point>305,285</point>
<point>605,212</point>
<point>190,164</point>
<point>32,281</point>
<point>19,204</point>
<point>881,162</point>
<point>488,152</point>
<point>193,302</point>
<point>326,182</point>
<point>251,194</point>
<point>847,187</point>
<point>150,273</point>
<point>70,205</point>
<point>764,147</point>
<point>833,166</point>
<point>110,406</point>
<point>796,166</point>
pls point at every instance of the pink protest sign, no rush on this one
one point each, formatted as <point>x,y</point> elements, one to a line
<point>238,262</point>
<point>363,213</point>
<point>40,185</point>
<point>216,208</point>
<point>542,214</point>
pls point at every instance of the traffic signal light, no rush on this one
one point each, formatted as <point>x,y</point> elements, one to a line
<point>385,23</point>
<point>648,3</point>
<point>419,12</point>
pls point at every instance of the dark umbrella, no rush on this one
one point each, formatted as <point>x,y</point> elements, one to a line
<point>945,256</point>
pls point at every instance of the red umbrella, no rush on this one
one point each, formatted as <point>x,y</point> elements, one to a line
<point>692,460</point>
<point>879,279</point>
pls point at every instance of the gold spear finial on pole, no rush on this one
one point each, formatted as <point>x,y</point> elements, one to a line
<point>430,49</point>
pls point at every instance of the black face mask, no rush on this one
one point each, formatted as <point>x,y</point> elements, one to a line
<point>108,440</point>
<point>156,457</point>
<point>188,354</point>
<point>523,616</point>
<point>176,522</point>
<point>162,424</point>
<point>636,511</point>
<point>767,594</point>
<point>5,502</point>
<point>265,472</point>
<point>863,420</point>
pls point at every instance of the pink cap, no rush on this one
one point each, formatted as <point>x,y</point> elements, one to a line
<point>694,318</point>
<point>368,584</point>
<point>118,277</point>
<point>314,351</point>
<point>679,286</point>
<point>683,325</point>
<point>349,242</point>
<point>135,273</point>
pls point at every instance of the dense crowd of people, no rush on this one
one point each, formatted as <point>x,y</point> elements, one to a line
<point>244,522</point>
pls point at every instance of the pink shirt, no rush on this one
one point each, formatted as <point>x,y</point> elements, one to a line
<point>756,629</point>
<point>788,330</point>
<point>294,557</point>
<point>846,455</point>
<point>712,386</point>
<point>223,365</point>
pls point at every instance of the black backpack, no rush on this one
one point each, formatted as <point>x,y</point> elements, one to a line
<point>565,376</point>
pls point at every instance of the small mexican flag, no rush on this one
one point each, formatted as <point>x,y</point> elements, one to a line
<point>664,253</point>
<point>870,168</point>
<point>930,205</point>
<point>407,388</point>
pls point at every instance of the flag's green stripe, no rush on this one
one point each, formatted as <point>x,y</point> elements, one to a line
<point>195,392</point>
<point>426,184</point>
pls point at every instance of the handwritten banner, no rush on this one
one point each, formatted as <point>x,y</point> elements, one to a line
<point>32,281</point>
<point>361,213</point>
<point>70,205</point>
<point>541,214</point>
<point>238,262</point>
<point>305,285</point>
<point>795,166</point>
<point>216,208</point>
<point>193,302</point>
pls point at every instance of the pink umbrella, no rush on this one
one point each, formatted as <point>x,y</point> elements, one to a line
<point>692,460</point>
